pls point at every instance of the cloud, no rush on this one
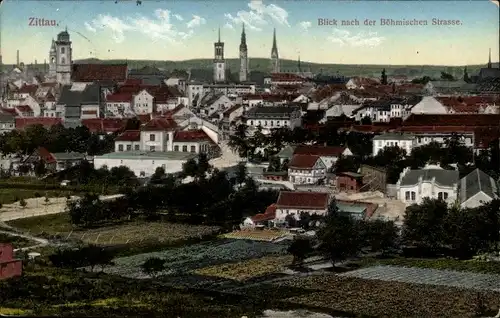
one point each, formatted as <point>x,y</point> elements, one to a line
<point>157,27</point>
<point>345,38</point>
<point>89,27</point>
<point>305,25</point>
<point>229,26</point>
<point>259,15</point>
<point>196,21</point>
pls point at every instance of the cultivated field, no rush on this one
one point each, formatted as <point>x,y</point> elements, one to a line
<point>58,225</point>
<point>247,269</point>
<point>378,298</point>
<point>183,260</point>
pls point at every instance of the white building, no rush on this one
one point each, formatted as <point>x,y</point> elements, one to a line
<point>384,110</point>
<point>196,90</point>
<point>306,169</point>
<point>214,102</point>
<point>219,62</point>
<point>431,182</point>
<point>144,164</point>
<point>403,141</point>
<point>143,103</point>
<point>274,117</point>
<point>119,105</point>
<point>328,154</point>
<point>295,203</point>
<point>429,105</point>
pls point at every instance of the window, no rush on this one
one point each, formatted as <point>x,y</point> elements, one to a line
<point>193,148</point>
<point>129,147</point>
<point>152,162</point>
<point>176,148</point>
<point>152,148</point>
<point>136,147</point>
<point>152,137</point>
<point>440,196</point>
<point>445,195</point>
<point>407,195</point>
<point>142,174</point>
<point>251,123</point>
<point>184,148</point>
<point>63,60</point>
<point>120,147</point>
<point>121,161</point>
<point>413,195</point>
<point>63,50</point>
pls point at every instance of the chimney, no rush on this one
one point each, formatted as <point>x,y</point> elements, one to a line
<point>17,60</point>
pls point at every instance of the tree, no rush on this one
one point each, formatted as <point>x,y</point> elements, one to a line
<point>87,211</point>
<point>300,248</point>
<point>40,168</point>
<point>383,78</point>
<point>339,239</point>
<point>290,220</point>
<point>366,120</point>
<point>332,207</point>
<point>23,203</point>
<point>241,173</point>
<point>158,176</point>
<point>447,76</point>
<point>153,266</point>
<point>274,164</point>
<point>380,235</point>
<point>424,224</point>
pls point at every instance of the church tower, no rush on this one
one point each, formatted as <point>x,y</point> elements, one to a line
<point>243,57</point>
<point>275,59</point>
<point>219,62</point>
<point>52,60</point>
<point>63,58</point>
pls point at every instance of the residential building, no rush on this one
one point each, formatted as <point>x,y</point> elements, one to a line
<point>274,117</point>
<point>196,90</point>
<point>7,122</point>
<point>143,103</point>
<point>60,161</point>
<point>9,266</point>
<point>119,105</point>
<point>349,181</point>
<point>295,203</point>
<point>144,164</point>
<point>431,182</point>
<point>328,154</point>
<point>213,102</point>
<point>384,110</point>
<point>429,105</point>
<point>306,169</point>
<point>262,218</point>
<point>91,73</point>
<point>404,141</point>
<point>477,188</point>
<point>79,99</point>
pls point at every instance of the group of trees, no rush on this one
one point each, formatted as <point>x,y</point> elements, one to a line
<point>199,194</point>
<point>454,151</point>
<point>260,147</point>
<point>90,255</point>
<point>429,229</point>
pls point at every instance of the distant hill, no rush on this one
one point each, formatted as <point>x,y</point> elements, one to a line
<point>202,68</point>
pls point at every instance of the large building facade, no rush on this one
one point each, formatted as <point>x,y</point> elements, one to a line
<point>60,59</point>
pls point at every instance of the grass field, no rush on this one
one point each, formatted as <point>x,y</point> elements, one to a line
<point>247,269</point>
<point>126,233</point>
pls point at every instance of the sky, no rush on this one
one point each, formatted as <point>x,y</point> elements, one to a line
<point>183,30</point>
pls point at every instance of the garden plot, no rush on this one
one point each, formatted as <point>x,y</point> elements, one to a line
<point>429,276</point>
<point>186,259</point>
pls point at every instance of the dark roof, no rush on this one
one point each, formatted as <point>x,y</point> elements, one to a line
<point>271,112</point>
<point>99,72</point>
<point>442,177</point>
<point>324,151</point>
<point>452,120</point>
<point>475,182</point>
<point>489,73</point>
<point>191,136</point>
<point>302,200</point>
<point>90,95</point>
<point>303,161</point>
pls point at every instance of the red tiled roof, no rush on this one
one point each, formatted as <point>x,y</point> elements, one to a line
<point>11,111</point>
<point>89,112</point>
<point>191,136</point>
<point>160,124</point>
<point>47,122</point>
<point>270,214</point>
<point>120,97</point>
<point>133,81</point>
<point>104,125</point>
<point>453,120</point>
<point>144,118</point>
<point>436,129</point>
<point>484,136</point>
<point>28,89</point>
<point>172,112</point>
<point>99,72</point>
<point>286,77</point>
<point>129,135</point>
<point>24,108</point>
<point>306,161</point>
<point>302,200</point>
<point>46,155</point>
<point>324,151</point>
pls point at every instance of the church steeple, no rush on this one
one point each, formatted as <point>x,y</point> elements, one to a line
<point>243,57</point>
<point>275,62</point>
<point>489,60</point>
<point>219,61</point>
<point>298,65</point>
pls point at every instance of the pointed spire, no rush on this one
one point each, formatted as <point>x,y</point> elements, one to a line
<point>219,35</point>
<point>489,60</point>
<point>275,47</point>
<point>243,37</point>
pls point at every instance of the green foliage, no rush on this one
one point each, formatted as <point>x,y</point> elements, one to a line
<point>153,266</point>
<point>300,248</point>
<point>90,256</point>
<point>339,238</point>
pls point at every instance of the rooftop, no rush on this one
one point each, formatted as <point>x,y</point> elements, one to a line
<point>393,136</point>
<point>154,155</point>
